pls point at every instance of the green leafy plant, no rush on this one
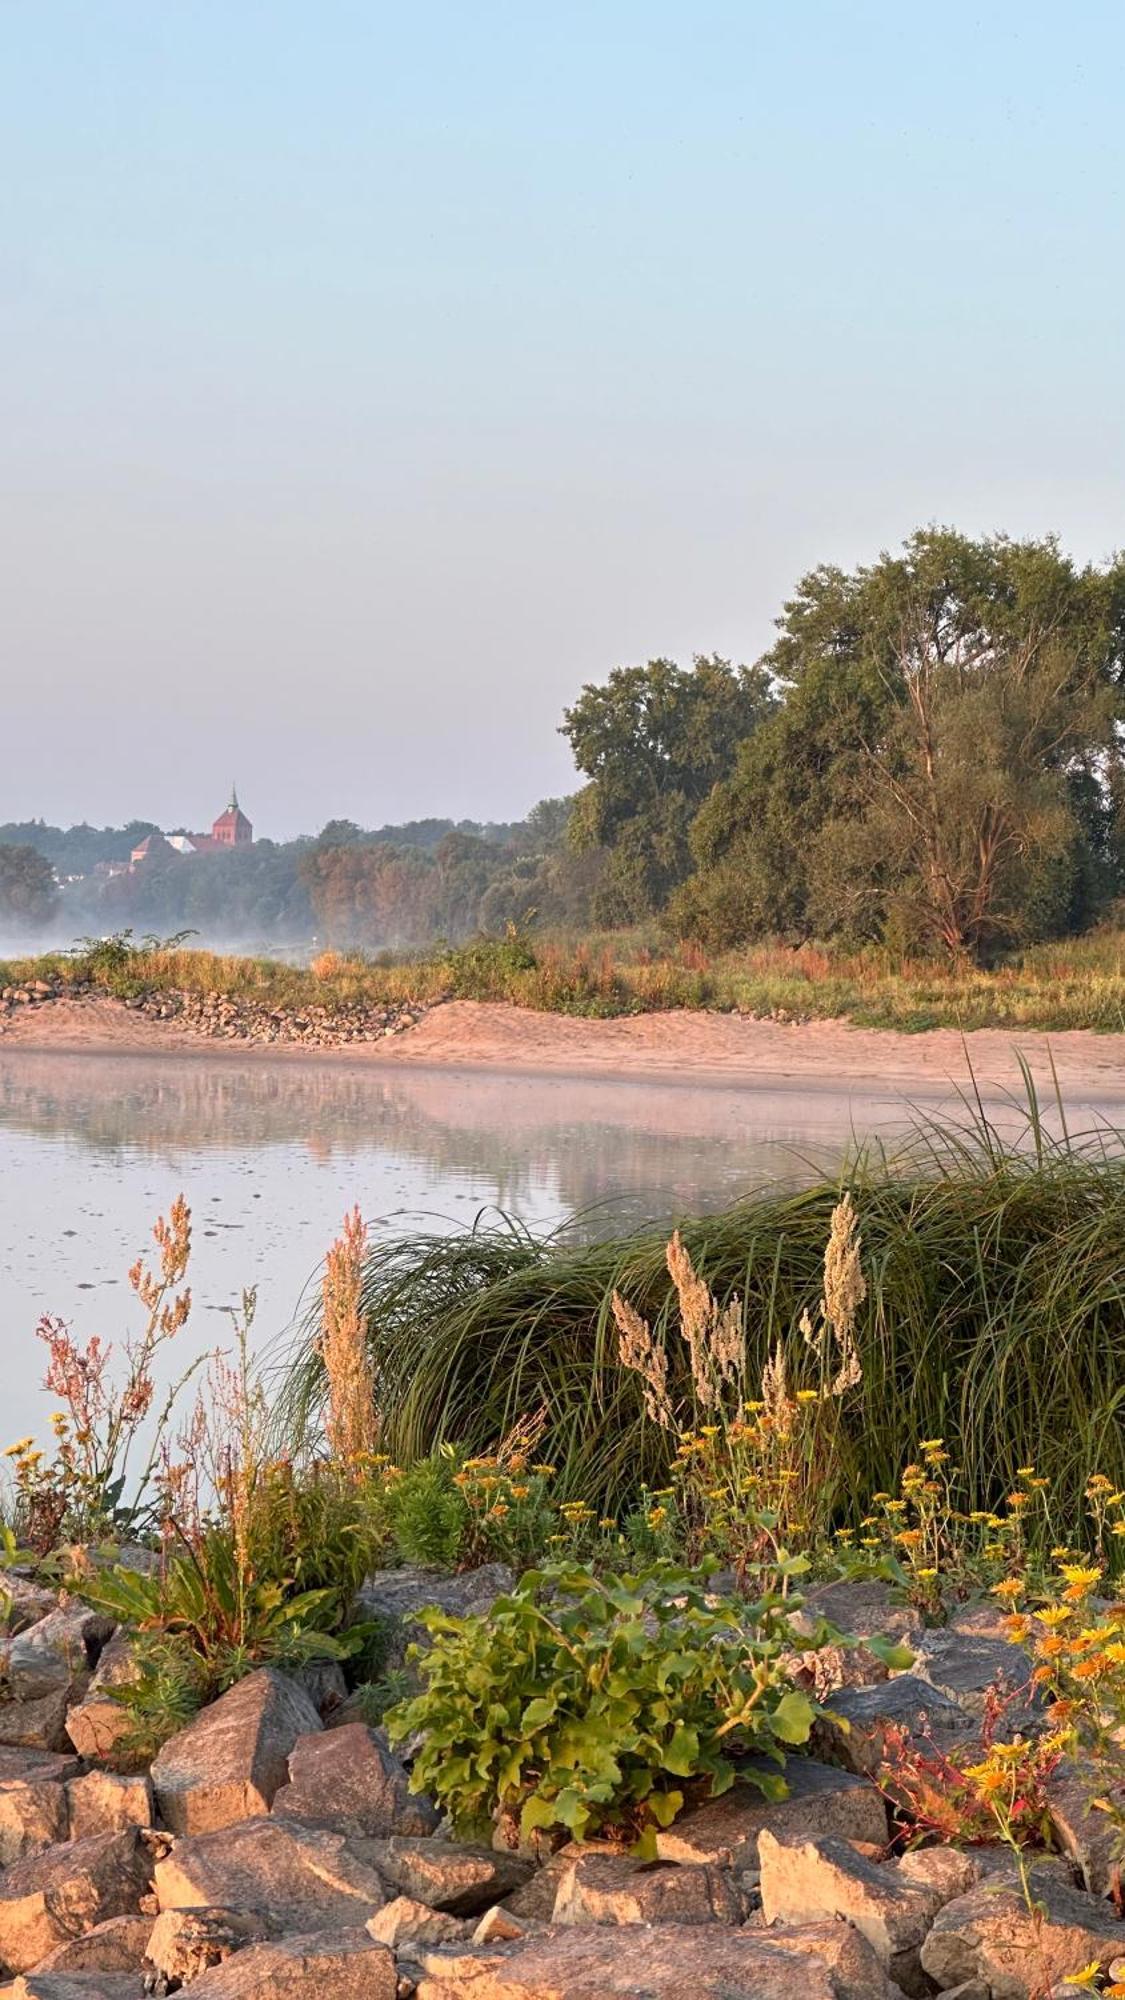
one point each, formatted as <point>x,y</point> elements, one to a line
<point>429,1514</point>
<point>587,1704</point>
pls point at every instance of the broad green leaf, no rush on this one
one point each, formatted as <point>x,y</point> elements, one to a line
<point>793,1717</point>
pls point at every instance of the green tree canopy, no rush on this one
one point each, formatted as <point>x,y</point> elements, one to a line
<point>943,764</point>
<point>652,742</point>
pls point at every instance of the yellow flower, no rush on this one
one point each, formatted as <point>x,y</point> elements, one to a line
<point>931,1444</point>
<point>1008,1587</point>
<point>1079,1578</point>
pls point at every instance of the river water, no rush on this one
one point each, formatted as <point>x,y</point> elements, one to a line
<point>93,1147</point>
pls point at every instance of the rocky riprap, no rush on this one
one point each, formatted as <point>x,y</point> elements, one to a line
<point>233,1018</point>
<point>274,1850</point>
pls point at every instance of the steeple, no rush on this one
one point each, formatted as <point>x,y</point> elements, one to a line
<point>233,806</point>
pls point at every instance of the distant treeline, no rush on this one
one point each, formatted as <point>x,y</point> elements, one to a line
<point>928,757</point>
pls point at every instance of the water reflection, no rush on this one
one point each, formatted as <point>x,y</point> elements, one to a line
<point>271,1154</point>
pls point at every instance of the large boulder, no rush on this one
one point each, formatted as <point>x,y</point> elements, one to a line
<point>822,1800</point>
<point>345,1778</point>
<point>815,1881</point>
<point>348,1965</point>
<point>448,1875</point>
<point>227,1765</point>
<point>658,1962</point>
<point>298,1877</point>
<point>394,1597</point>
<point>991,1935</point>
<point>49,1656</point>
<point>63,1893</point>
<point>620,1889</point>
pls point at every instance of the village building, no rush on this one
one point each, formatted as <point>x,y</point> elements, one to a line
<point>231,829</point>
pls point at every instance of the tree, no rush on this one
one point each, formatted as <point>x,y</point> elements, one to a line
<point>653,741</point>
<point>942,767</point>
<point>28,893</point>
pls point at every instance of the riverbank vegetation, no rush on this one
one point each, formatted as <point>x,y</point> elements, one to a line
<point>993,1316</point>
<point>926,762</point>
<point>1079,983</point>
<point>906,1381</point>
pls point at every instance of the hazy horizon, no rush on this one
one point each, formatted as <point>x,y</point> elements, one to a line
<point>376,377</point>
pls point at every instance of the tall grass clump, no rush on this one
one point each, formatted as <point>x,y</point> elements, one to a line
<point>993,1316</point>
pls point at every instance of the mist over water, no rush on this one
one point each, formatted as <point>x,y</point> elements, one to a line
<point>270,1156</point>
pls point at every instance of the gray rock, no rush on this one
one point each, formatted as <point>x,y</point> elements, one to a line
<point>299,1877</point>
<point>24,1602</point>
<point>1090,1835</point>
<point>990,1935</point>
<point>965,1666</point>
<point>228,1764</point>
<point>323,1681</point>
<point>59,1895</point>
<point>117,1945</point>
<point>853,1968</point>
<point>659,1962</point>
<point>816,1881</point>
<point>183,1944</point>
<point>346,1779</point>
<point>404,1922</point>
<point>395,1597</point>
<point>448,1875</point>
<point>96,1723</point>
<point>51,1655</point>
<point>822,1800</point>
<point>33,1816</point>
<point>619,1889</point>
<point>107,1802</point>
<point>346,1964</point>
<point>854,1733</point>
<point>36,1725</point>
<point>42,1985</point>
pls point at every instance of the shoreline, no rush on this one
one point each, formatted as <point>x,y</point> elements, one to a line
<point>693,1049</point>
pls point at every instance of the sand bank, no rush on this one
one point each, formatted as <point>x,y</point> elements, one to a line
<point>695,1048</point>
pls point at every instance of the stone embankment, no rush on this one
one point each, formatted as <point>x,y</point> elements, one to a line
<point>274,1850</point>
<point>230,1018</point>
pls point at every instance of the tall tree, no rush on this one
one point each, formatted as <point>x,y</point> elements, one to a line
<point>941,768</point>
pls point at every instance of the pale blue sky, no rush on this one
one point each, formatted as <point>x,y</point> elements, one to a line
<point>374,375</point>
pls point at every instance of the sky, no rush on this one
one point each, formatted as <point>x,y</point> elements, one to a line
<point>372,376</point>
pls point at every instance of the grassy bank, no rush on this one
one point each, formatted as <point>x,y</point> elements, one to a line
<point>1076,984</point>
<point>994,1318</point>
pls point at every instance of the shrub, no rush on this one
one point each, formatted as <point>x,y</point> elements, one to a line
<point>590,1704</point>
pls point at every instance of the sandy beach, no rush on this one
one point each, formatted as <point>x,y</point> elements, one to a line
<point>697,1048</point>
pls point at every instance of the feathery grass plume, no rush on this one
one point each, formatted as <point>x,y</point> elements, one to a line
<point>845,1289</point>
<point>351,1419</point>
<point>713,1333</point>
<point>637,1350</point>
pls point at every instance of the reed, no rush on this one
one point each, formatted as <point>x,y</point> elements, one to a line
<point>1078,983</point>
<point>994,1317</point>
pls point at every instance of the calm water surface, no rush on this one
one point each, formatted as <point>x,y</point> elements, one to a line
<point>92,1148</point>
